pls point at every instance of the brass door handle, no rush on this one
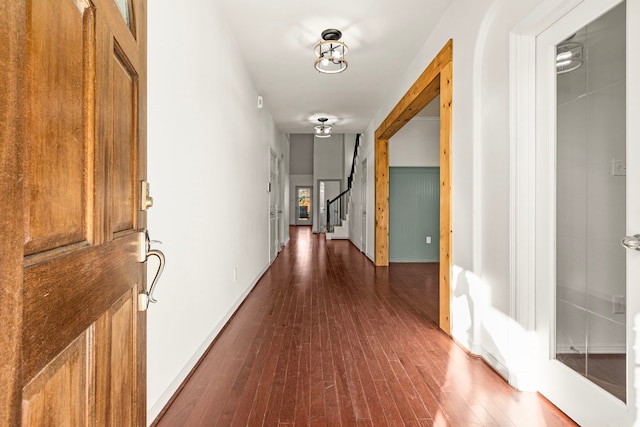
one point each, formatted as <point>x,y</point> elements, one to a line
<point>146,296</point>
<point>157,253</point>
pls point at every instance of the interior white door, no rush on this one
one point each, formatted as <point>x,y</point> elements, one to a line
<point>279,217</point>
<point>363,205</point>
<point>322,219</point>
<point>273,206</point>
<point>587,300</point>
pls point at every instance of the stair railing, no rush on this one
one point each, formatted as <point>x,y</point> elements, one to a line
<point>336,208</point>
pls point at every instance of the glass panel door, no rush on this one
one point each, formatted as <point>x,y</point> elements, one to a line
<point>303,209</point>
<point>591,202</point>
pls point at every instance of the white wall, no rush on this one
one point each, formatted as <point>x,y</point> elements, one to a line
<point>356,206</point>
<point>208,164</point>
<point>301,154</point>
<point>416,144</point>
<point>358,231</point>
<point>349,145</point>
<point>480,305</point>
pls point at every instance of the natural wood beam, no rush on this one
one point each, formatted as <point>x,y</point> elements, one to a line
<point>446,96</point>
<point>421,93</point>
<point>382,202</point>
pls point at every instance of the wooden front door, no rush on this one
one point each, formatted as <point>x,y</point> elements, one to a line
<point>73,157</point>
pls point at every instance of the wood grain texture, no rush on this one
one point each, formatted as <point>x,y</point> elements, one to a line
<point>65,295</point>
<point>51,398</point>
<point>381,226</point>
<point>116,355</point>
<point>446,101</point>
<point>123,151</point>
<point>139,29</point>
<point>436,79</point>
<point>423,91</point>
<point>12,41</point>
<point>328,339</point>
<point>56,167</point>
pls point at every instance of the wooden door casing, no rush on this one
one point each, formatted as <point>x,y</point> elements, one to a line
<point>436,79</point>
<point>72,163</point>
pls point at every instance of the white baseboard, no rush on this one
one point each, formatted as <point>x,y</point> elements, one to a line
<point>492,361</point>
<point>156,409</point>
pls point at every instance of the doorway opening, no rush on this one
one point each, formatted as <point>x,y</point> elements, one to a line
<point>304,215</point>
<point>437,79</point>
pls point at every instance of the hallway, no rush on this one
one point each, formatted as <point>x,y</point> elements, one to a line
<point>326,339</point>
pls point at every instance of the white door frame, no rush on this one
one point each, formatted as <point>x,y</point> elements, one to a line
<point>522,60</point>
<point>525,349</point>
<point>274,192</point>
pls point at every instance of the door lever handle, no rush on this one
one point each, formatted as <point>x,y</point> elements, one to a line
<point>146,296</point>
<point>631,242</point>
<point>149,293</point>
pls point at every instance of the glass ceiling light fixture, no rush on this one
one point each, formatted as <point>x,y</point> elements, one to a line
<point>323,130</point>
<point>569,56</point>
<point>330,53</point>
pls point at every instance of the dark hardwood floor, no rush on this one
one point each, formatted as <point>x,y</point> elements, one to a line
<point>327,339</point>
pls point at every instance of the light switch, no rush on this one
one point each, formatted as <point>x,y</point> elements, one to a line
<point>618,168</point>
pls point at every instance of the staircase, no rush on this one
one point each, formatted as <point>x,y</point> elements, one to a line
<point>339,231</point>
<point>338,209</point>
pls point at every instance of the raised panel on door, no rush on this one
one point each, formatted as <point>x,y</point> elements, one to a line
<point>51,398</point>
<point>64,296</point>
<point>60,145</point>
<point>123,161</point>
<point>116,354</point>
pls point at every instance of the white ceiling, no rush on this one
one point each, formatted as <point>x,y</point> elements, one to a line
<point>277,38</point>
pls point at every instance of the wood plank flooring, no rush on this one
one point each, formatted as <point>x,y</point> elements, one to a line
<point>327,339</point>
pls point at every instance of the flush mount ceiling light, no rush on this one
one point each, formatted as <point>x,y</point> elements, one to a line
<point>330,52</point>
<point>323,130</point>
<point>569,57</point>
